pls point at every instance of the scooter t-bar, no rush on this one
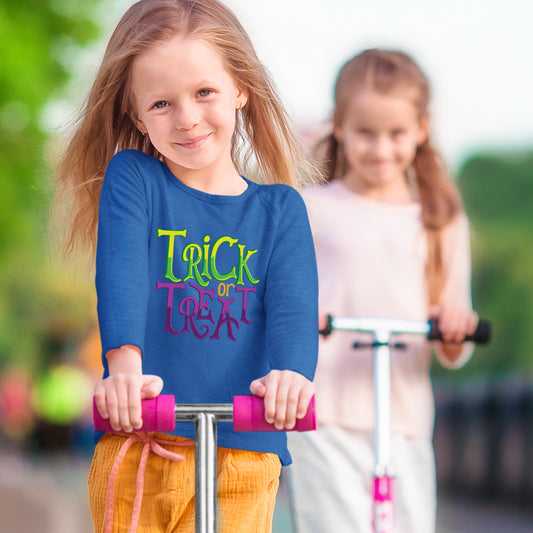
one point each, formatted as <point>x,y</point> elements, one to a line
<point>247,414</point>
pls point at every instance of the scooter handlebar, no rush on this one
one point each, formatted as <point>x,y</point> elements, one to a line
<point>482,334</point>
<point>249,415</point>
<point>158,414</point>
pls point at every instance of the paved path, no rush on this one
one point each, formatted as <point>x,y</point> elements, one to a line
<point>467,516</point>
<point>453,516</point>
<point>43,495</point>
<point>49,495</point>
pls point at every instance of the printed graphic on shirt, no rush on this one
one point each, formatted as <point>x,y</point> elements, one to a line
<point>216,299</point>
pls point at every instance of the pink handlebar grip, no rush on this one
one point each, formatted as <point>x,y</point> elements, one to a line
<point>157,415</point>
<point>249,415</point>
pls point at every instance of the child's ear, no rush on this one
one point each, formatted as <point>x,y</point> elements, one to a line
<point>337,127</point>
<point>337,133</point>
<point>142,130</point>
<point>242,98</point>
<point>423,129</point>
<point>137,122</point>
<point>140,126</point>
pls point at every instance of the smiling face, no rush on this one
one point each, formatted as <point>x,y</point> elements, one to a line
<point>380,134</point>
<point>186,100</point>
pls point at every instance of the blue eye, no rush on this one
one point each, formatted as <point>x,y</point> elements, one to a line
<point>161,105</point>
<point>204,92</point>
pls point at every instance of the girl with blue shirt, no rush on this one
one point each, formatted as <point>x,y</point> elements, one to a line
<point>206,280</point>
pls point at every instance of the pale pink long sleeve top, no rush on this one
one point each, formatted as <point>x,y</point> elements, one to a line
<point>372,260</point>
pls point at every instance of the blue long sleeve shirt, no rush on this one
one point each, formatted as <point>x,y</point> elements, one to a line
<point>216,291</point>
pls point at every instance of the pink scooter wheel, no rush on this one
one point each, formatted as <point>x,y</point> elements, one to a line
<point>157,415</point>
<point>249,415</point>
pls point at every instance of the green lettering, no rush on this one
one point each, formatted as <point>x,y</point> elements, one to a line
<point>192,254</point>
<point>170,253</point>
<point>205,263</point>
<point>244,267</point>
<point>212,260</point>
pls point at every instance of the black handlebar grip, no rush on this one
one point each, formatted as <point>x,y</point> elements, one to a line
<point>328,328</point>
<point>480,336</point>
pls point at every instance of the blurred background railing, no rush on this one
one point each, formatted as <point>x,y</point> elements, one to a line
<point>483,439</point>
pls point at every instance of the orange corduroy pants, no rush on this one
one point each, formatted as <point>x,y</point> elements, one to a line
<point>247,487</point>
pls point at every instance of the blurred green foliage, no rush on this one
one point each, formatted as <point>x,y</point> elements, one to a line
<point>37,301</point>
<point>497,190</point>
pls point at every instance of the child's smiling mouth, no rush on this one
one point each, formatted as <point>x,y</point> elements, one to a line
<point>194,142</point>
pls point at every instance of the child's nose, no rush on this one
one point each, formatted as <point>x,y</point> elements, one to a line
<point>186,116</point>
<point>382,146</point>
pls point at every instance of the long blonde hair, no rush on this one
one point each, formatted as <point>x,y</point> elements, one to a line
<point>263,137</point>
<point>387,71</point>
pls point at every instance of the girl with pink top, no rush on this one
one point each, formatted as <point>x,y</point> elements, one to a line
<point>392,241</point>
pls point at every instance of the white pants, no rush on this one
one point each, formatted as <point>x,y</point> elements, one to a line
<point>331,483</point>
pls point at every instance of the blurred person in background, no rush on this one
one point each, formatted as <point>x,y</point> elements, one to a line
<point>16,409</point>
<point>392,241</point>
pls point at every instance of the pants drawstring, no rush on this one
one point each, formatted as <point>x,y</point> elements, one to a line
<point>150,443</point>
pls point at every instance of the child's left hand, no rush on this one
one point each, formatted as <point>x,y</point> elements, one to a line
<point>286,395</point>
<point>455,323</point>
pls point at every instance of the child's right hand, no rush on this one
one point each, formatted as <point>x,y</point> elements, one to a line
<point>118,397</point>
<point>322,320</point>
<point>324,324</point>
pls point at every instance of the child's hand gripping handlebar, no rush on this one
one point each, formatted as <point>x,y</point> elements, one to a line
<point>246,412</point>
<point>480,336</point>
<point>249,415</point>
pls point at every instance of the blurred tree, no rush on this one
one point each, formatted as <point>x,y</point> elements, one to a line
<point>36,39</point>
<point>498,195</point>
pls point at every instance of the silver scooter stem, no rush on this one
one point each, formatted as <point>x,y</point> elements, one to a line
<point>205,418</point>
